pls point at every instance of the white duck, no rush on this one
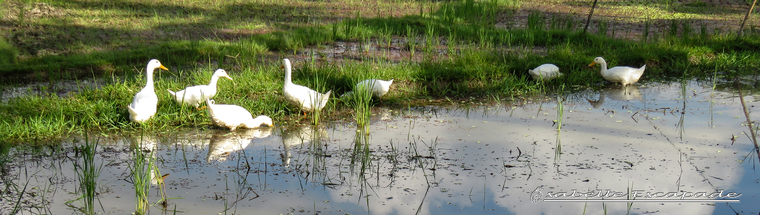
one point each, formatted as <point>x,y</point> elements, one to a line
<point>376,86</point>
<point>545,72</point>
<point>233,116</point>
<point>620,74</point>
<point>145,103</point>
<point>301,96</point>
<point>196,95</point>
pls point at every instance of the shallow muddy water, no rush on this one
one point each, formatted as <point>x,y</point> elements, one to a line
<point>59,88</point>
<point>499,159</point>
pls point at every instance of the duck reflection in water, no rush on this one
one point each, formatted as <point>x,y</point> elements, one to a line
<point>300,135</point>
<point>149,147</point>
<point>224,143</point>
<point>617,93</point>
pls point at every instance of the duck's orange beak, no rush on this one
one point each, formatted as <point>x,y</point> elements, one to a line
<point>162,67</point>
<point>592,64</point>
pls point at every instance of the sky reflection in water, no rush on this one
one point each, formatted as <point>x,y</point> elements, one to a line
<point>483,159</point>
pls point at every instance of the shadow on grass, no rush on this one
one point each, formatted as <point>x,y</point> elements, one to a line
<point>178,44</point>
<point>52,46</point>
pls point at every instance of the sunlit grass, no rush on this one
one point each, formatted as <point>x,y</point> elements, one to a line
<point>477,59</point>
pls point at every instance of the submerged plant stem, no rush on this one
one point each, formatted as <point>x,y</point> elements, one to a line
<point>749,122</point>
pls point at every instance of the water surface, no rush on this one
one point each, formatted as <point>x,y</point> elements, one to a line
<point>463,159</point>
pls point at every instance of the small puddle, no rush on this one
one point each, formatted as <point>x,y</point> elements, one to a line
<point>484,159</point>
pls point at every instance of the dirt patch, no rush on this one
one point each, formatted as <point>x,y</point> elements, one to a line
<point>32,11</point>
<point>628,19</point>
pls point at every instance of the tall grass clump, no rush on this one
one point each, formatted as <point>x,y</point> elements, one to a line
<point>361,101</point>
<point>645,32</point>
<point>703,31</point>
<point>411,41</point>
<point>140,169</point>
<point>673,28</point>
<point>8,53</point>
<point>472,72</point>
<point>316,113</point>
<point>475,13</point>
<point>536,21</point>
<point>686,31</point>
<point>87,173</point>
<point>359,96</point>
<point>562,23</point>
<point>602,27</point>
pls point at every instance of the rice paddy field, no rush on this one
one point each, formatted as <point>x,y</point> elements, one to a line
<point>464,128</point>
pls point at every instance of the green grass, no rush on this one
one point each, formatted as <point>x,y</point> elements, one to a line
<point>87,174</point>
<point>560,113</point>
<point>361,101</point>
<point>477,59</point>
<point>143,162</point>
<point>8,53</point>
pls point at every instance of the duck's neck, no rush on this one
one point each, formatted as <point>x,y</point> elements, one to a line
<point>214,79</point>
<point>287,74</point>
<point>149,83</point>
<point>603,64</point>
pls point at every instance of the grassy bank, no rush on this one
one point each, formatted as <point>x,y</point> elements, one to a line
<point>445,51</point>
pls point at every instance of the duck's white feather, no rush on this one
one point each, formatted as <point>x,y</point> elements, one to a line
<point>378,87</point>
<point>233,116</point>
<point>545,72</point>
<point>145,102</point>
<point>195,95</point>
<point>620,74</point>
<point>301,96</point>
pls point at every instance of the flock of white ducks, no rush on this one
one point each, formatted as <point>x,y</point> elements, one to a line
<point>145,102</point>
